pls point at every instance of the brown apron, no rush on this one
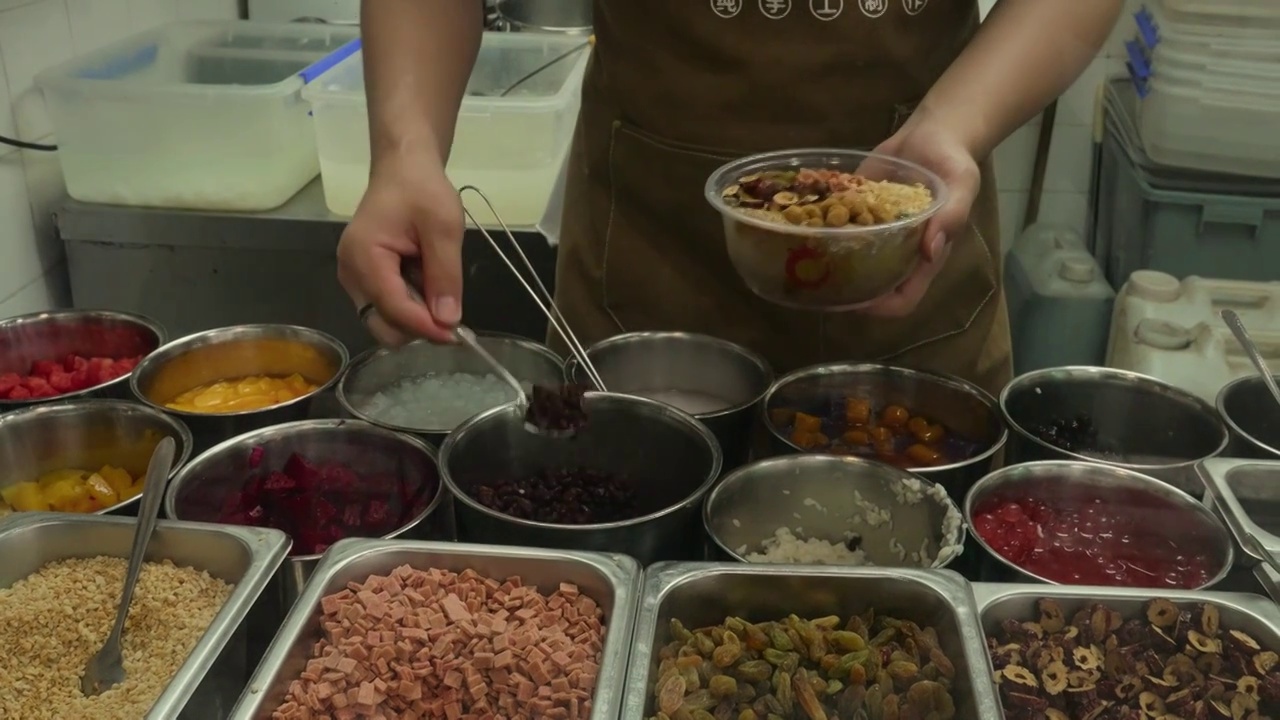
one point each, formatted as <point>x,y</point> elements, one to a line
<point>676,88</point>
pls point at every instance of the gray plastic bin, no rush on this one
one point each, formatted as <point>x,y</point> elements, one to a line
<point>1211,234</point>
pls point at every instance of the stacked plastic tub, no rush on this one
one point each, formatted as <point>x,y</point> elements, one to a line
<point>513,130</point>
<point>1206,72</point>
<point>1153,216</point>
<point>198,115</point>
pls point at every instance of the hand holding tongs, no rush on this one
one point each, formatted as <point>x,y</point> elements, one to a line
<point>412,274</point>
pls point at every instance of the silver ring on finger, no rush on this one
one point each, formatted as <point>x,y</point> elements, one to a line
<point>365,311</point>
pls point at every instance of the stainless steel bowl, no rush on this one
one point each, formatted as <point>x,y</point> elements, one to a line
<point>235,352</point>
<point>199,490</point>
<point>86,434</point>
<point>89,333</point>
<point>380,368</point>
<point>827,497</point>
<point>1253,418</point>
<point>671,458</point>
<point>1159,430</point>
<point>1051,481</point>
<point>963,408</point>
<point>718,382</point>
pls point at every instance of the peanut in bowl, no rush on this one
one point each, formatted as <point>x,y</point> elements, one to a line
<point>824,229</point>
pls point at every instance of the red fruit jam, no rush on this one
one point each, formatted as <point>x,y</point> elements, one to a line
<point>1128,540</point>
<point>317,504</point>
<point>51,378</point>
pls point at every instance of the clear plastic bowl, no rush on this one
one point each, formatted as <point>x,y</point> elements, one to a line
<point>831,269</point>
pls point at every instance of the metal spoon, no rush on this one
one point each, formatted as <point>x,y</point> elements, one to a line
<point>106,669</point>
<point>468,337</point>
<point>412,274</point>
<point>1251,349</point>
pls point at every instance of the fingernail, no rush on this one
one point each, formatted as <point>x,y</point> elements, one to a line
<point>446,310</point>
<point>935,247</point>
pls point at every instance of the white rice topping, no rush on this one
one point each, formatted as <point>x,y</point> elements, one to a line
<point>788,545</point>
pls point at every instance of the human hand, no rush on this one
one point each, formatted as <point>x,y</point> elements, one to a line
<point>410,211</point>
<point>930,145</point>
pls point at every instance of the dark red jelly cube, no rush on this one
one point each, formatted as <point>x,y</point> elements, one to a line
<point>306,474</point>
<point>351,517</point>
<point>280,482</point>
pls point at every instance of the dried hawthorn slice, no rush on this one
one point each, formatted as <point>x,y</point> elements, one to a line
<point>1161,613</point>
<point>1052,619</point>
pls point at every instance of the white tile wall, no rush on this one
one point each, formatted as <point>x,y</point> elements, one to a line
<point>35,34</point>
<point>1067,175</point>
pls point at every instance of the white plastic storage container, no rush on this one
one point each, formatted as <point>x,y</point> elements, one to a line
<point>1200,358</point>
<point>1222,130</point>
<point>512,132</point>
<point>1171,329</point>
<point>1215,230</point>
<point>1250,12</point>
<point>1212,97</point>
<point>1059,301</point>
<point>195,115</point>
<point>1150,295</point>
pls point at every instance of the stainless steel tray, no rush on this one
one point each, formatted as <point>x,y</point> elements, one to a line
<point>211,679</point>
<point>1233,483</point>
<point>611,580</point>
<point>702,594</point>
<point>1253,614</point>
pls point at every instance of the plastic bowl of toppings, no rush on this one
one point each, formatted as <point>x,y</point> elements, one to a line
<point>718,382</point>
<point>942,428</point>
<point>1113,417</point>
<point>82,456</point>
<point>453,631</point>
<point>320,481</point>
<point>1076,523</point>
<point>824,229</point>
<point>228,381</point>
<point>184,644</point>
<point>631,480</point>
<point>1180,654</point>
<point>429,389</point>
<point>67,354</point>
<point>826,510</point>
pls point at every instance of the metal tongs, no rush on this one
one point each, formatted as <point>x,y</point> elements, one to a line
<point>548,306</point>
<point>545,301</point>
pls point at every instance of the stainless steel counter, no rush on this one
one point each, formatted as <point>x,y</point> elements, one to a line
<point>197,270</point>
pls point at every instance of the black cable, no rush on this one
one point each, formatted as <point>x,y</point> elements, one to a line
<point>542,67</point>
<point>12,142</point>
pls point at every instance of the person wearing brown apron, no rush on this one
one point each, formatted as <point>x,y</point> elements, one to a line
<point>674,89</point>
